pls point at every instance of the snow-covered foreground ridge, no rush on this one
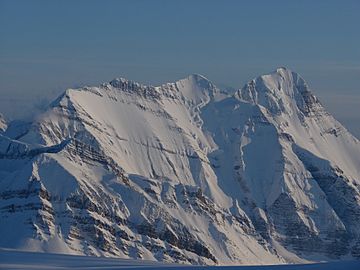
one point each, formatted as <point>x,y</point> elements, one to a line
<point>183,172</point>
<point>12,260</point>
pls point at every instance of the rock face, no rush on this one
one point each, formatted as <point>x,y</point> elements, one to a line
<point>3,124</point>
<point>184,173</point>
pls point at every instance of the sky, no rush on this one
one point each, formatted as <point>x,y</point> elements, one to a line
<point>48,46</point>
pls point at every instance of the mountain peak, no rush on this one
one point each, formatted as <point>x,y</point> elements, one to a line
<point>286,75</point>
<point>121,79</point>
<point>123,83</point>
<point>282,69</point>
<point>199,80</point>
<point>279,89</point>
<point>197,88</point>
<point>197,76</point>
<point>279,75</point>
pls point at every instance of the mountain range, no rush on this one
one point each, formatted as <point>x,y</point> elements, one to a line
<point>183,172</point>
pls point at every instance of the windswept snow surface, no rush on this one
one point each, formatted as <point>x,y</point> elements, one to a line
<point>184,173</point>
<point>12,260</point>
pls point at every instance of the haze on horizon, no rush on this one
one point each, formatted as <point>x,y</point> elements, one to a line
<point>48,46</point>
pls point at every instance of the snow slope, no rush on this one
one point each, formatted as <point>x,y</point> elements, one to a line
<point>10,259</point>
<point>184,172</point>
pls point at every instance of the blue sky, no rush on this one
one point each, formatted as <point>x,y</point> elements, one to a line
<point>47,46</point>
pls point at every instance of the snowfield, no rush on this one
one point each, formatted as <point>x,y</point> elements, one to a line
<point>11,260</point>
<point>183,173</point>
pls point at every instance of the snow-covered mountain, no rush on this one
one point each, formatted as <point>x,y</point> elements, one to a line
<point>184,172</point>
